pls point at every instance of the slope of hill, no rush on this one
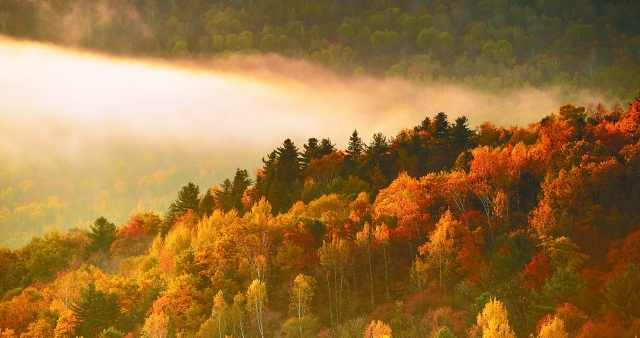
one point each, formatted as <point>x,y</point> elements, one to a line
<point>489,45</point>
<point>439,231</point>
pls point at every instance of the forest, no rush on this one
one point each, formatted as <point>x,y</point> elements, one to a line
<point>492,46</point>
<point>439,231</point>
<point>484,44</point>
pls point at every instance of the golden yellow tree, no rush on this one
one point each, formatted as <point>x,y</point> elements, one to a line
<point>381,236</point>
<point>156,326</point>
<point>440,250</point>
<point>219,311</point>
<point>256,302</point>
<point>377,329</point>
<point>494,322</point>
<point>553,328</point>
<point>301,294</point>
<point>65,327</point>
<point>364,239</point>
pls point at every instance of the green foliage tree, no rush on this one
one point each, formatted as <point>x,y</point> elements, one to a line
<point>180,50</point>
<point>187,200</point>
<point>287,171</point>
<point>441,126</point>
<point>427,39</point>
<point>623,292</point>
<point>379,40</point>
<point>460,132</point>
<point>207,204</point>
<point>444,332</point>
<point>95,311</point>
<point>241,182</point>
<point>111,332</point>
<point>101,234</point>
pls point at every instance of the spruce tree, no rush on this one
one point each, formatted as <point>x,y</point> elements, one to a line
<point>207,204</point>
<point>460,132</point>
<point>102,235</point>
<point>287,171</point>
<point>241,182</point>
<point>326,147</point>
<point>356,146</point>
<point>224,197</point>
<point>442,126</point>
<point>187,200</point>
<point>95,311</point>
<point>310,152</point>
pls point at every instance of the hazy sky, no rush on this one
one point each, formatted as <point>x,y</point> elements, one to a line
<point>60,104</point>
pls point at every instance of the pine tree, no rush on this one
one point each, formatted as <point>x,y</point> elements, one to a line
<point>441,126</point>
<point>356,146</point>
<point>207,204</point>
<point>224,196</point>
<point>444,332</point>
<point>310,152</point>
<point>378,146</point>
<point>287,171</point>
<point>264,179</point>
<point>326,147</point>
<point>241,182</point>
<point>460,132</point>
<point>95,311</point>
<point>102,235</point>
<point>424,125</point>
<point>187,200</point>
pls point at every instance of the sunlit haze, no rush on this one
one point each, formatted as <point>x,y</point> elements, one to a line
<point>68,113</point>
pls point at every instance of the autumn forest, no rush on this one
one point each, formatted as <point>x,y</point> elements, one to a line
<point>439,231</point>
<point>446,227</point>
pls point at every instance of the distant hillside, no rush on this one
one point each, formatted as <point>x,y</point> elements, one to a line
<point>487,44</point>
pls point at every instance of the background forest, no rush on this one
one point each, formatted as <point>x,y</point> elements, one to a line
<point>439,231</point>
<point>485,44</point>
<point>489,45</point>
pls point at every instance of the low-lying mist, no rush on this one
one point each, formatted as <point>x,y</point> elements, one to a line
<point>103,136</point>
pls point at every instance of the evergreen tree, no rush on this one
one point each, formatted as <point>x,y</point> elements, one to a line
<point>355,149</point>
<point>287,171</point>
<point>224,195</point>
<point>264,178</point>
<point>444,332</point>
<point>623,292</point>
<point>241,182</point>
<point>441,126</point>
<point>326,147</point>
<point>378,146</point>
<point>356,146</point>
<point>424,125</point>
<point>95,311</point>
<point>102,235</point>
<point>187,200</point>
<point>207,204</point>
<point>111,333</point>
<point>460,132</point>
<point>288,164</point>
<point>311,151</point>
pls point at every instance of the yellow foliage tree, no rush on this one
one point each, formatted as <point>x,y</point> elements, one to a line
<point>441,250</point>
<point>256,303</point>
<point>494,322</point>
<point>553,328</point>
<point>377,329</point>
<point>65,328</point>
<point>156,326</point>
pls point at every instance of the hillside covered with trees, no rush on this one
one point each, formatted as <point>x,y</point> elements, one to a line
<point>485,44</point>
<point>439,231</point>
